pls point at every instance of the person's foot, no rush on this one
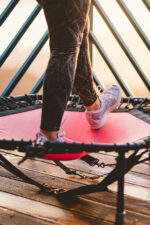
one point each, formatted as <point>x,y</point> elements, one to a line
<point>41,138</point>
<point>109,99</point>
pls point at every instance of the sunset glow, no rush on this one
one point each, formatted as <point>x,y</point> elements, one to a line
<point>106,39</point>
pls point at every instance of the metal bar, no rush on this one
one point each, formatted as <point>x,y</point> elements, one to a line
<point>14,170</point>
<point>122,43</point>
<point>120,214</point>
<point>25,66</point>
<point>91,28</point>
<point>19,35</point>
<point>38,85</point>
<point>110,65</point>
<point>147,4</point>
<point>8,10</point>
<point>75,147</point>
<point>134,23</point>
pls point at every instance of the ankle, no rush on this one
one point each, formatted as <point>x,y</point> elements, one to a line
<point>96,105</point>
<point>50,135</point>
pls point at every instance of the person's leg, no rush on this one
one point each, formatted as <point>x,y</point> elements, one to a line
<point>66,20</point>
<point>97,107</point>
<point>84,85</point>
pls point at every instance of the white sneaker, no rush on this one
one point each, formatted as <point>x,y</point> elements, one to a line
<point>110,99</point>
<point>41,138</point>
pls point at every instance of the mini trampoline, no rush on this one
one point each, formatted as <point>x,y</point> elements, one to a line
<point>127,129</point>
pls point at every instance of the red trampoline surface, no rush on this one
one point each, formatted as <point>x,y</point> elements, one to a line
<point>120,128</point>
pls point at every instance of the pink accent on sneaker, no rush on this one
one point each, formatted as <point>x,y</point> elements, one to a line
<point>110,100</point>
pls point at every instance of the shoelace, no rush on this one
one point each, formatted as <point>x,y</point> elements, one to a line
<point>109,93</point>
<point>61,137</point>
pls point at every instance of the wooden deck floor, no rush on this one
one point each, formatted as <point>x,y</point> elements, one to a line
<point>22,203</point>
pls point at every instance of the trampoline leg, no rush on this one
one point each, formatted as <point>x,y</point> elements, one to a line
<point>120,214</point>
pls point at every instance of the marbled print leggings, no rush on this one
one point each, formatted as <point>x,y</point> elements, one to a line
<point>69,65</point>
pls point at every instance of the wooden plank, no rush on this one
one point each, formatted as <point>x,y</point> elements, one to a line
<point>14,187</point>
<point>142,169</point>
<point>11,217</point>
<point>47,168</point>
<point>110,198</point>
<point>108,158</point>
<point>47,212</point>
<point>96,213</point>
<point>75,182</point>
<point>52,169</point>
<point>43,211</point>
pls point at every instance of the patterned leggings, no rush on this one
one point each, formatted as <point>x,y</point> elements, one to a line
<point>69,65</point>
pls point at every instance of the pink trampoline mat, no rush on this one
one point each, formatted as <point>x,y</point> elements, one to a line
<point>120,128</point>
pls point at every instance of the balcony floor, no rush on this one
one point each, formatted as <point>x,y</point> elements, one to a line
<point>22,203</point>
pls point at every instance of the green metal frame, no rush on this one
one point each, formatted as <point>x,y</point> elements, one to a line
<point>122,43</point>
<point>19,35</point>
<point>25,66</point>
<point>93,42</point>
<point>147,4</point>
<point>9,8</point>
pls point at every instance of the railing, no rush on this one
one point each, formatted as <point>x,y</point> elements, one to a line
<point>94,42</point>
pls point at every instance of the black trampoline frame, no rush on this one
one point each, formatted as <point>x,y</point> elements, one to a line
<point>11,105</point>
